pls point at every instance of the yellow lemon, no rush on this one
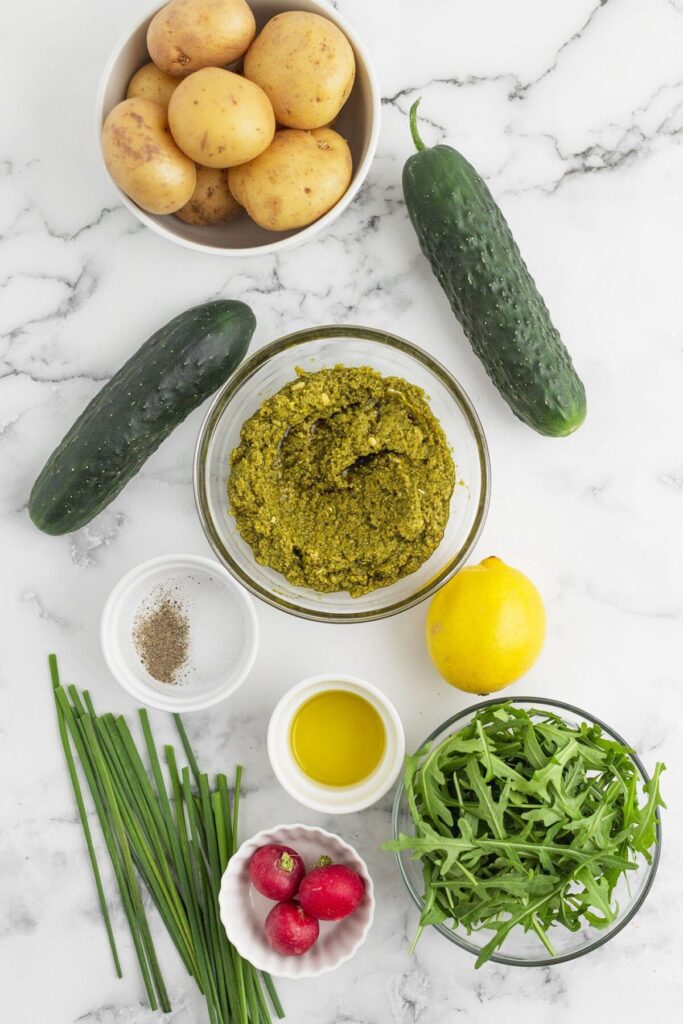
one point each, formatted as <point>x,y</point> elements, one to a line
<point>486,627</point>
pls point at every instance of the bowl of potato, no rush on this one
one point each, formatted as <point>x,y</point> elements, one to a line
<point>238,127</point>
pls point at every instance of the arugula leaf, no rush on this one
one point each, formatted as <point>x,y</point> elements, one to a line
<point>524,820</point>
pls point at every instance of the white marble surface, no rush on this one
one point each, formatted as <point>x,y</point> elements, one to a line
<point>574,112</point>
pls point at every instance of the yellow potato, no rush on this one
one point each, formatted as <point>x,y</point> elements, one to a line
<point>220,119</point>
<point>187,35</point>
<point>143,159</point>
<point>149,83</point>
<point>212,201</point>
<point>306,67</point>
<point>299,178</point>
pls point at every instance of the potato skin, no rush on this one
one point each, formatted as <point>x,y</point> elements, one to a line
<point>220,119</point>
<point>149,83</point>
<point>306,67</point>
<point>212,202</point>
<point>299,178</point>
<point>143,159</point>
<point>187,35</point>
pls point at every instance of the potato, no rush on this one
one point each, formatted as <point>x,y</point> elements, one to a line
<point>187,35</point>
<point>212,201</point>
<point>306,67</point>
<point>149,83</point>
<point>143,159</point>
<point>299,178</point>
<point>220,119</point>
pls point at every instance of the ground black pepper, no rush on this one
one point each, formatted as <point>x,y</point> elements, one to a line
<point>161,636</point>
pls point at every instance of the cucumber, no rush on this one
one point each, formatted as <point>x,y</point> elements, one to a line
<point>465,237</point>
<point>168,377</point>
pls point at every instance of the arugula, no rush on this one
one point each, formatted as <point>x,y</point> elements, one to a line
<point>524,820</point>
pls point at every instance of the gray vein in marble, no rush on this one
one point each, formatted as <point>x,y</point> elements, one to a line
<point>522,91</point>
<point>78,293</point>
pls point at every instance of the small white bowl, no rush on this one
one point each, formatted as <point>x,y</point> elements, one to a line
<point>334,799</point>
<point>243,910</point>
<point>223,633</point>
<point>358,122</point>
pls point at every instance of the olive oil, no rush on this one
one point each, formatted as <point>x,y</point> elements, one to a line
<point>337,738</point>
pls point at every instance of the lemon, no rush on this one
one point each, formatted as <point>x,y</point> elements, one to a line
<point>486,627</point>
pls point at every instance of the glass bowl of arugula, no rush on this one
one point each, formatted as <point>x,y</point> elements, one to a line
<point>527,831</point>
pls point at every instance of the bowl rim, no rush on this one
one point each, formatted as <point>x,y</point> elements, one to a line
<point>244,374</point>
<point>138,688</point>
<point>303,234</point>
<point>279,728</point>
<point>283,834</point>
<point>602,938</point>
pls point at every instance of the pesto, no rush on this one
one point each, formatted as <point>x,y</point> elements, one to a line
<point>342,480</point>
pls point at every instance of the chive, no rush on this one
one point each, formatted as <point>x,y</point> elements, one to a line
<point>164,802</point>
<point>143,780</point>
<point>178,846</point>
<point>221,835</point>
<point>222,784</point>
<point>204,882</point>
<point>120,830</point>
<point>185,868</point>
<point>250,988</point>
<point>101,806</point>
<point>78,794</point>
<point>236,806</point>
<point>264,1012</point>
<point>189,753</point>
<point>114,793</point>
<point>161,887</point>
<point>218,856</point>
<point>274,998</point>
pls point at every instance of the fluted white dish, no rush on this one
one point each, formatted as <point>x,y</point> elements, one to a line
<point>243,910</point>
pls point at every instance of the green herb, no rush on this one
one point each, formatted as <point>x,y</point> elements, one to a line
<point>522,819</point>
<point>178,847</point>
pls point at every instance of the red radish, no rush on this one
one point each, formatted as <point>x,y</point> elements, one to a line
<point>276,871</point>
<point>290,930</point>
<point>331,892</point>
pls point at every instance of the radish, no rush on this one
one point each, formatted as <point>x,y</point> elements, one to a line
<point>331,892</point>
<point>276,871</point>
<point>290,930</point>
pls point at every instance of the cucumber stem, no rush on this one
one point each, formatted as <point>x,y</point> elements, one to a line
<point>419,144</point>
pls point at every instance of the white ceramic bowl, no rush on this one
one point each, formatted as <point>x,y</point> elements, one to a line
<point>243,910</point>
<point>358,122</point>
<point>223,633</point>
<point>334,799</point>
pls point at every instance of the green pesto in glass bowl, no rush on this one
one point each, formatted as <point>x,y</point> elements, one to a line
<point>266,373</point>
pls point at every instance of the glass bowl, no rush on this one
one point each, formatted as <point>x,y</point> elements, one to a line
<point>524,949</point>
<point>265,373</point>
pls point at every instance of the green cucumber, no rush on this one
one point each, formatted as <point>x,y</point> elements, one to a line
<point>168,377</point>
<point>466,238</point>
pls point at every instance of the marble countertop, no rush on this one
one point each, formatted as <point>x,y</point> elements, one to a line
<point>574,113</point>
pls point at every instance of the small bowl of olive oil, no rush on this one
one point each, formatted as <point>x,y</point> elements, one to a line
<point>336,743</point>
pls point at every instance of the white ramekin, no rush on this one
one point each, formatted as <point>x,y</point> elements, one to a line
<point>334,799</point>
<point>243,910</point>
<point>223,632</point>
<point>358,122</point>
